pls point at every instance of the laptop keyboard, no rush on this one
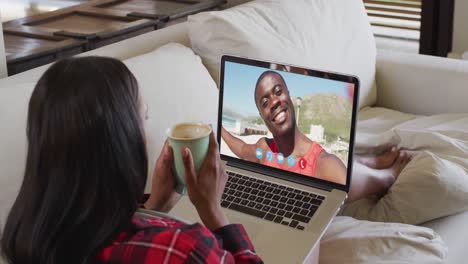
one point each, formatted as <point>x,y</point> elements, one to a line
<point>273,202</point>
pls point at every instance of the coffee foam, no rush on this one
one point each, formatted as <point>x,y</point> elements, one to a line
<point>190,131</point>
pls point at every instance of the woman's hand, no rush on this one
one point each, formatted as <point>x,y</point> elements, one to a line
<point>163,196</point>
<point>206,188</point>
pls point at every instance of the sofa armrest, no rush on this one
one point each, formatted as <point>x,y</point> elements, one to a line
<point>3,65</point>
<point>420,84</point>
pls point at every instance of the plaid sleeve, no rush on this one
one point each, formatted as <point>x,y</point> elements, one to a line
<point>162,240</point>
<point>233,246</point>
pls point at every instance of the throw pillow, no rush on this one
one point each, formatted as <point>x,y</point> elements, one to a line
<point>331,35</point>
<point>177,88</point>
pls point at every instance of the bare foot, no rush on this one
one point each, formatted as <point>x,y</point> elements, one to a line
<point>401,162</point>
<point>381,161</point>
<point>388,176</point>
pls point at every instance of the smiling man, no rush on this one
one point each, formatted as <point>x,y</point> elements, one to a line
<point>289,149</point>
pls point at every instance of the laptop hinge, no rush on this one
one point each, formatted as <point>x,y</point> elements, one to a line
<point>279,175</point>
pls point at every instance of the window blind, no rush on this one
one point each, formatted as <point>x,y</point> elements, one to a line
<point>395,18</point>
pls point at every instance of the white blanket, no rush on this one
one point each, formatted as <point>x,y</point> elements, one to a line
<point>435,183</point>
<point>445,134</point>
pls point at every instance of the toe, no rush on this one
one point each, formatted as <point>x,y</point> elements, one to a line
<point>402,157</point>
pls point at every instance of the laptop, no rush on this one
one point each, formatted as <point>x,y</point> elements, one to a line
<point>286,136</point>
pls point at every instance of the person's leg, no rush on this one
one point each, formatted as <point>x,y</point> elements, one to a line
<point>368,182</point>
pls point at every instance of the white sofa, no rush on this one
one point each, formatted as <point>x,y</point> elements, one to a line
<point>415,84</point>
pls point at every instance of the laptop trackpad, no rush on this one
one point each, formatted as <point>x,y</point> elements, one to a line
<point>251,224</point>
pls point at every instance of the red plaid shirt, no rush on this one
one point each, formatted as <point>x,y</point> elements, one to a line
<point>164,240</point>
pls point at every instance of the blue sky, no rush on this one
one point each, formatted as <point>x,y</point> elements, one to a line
<point>240,79</point>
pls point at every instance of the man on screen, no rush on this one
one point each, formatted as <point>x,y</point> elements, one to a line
<point>289,149</point>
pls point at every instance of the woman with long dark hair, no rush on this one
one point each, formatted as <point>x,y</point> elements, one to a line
<point>85,175</point>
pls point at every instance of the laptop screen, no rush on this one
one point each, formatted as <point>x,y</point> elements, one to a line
<point>288,118</point>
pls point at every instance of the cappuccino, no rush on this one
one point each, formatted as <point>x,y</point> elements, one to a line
<point>189,131</point>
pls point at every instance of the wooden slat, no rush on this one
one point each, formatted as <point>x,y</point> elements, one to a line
<point>393,10</point>
<point>396,2</point>
<point>23,47</point>
<point>79,22</point>
<point>105,13</point>
<point>170,9</point>
<point>41,16</point>
<point>407,3</point>
<point>144,6</point>
<point>201,6</point>
<point>394,26</point>
<point>35,32</point>
<point>394,17</point>
<point>123,29</point>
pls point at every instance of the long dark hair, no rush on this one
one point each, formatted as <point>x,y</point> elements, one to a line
<point>86,165</point>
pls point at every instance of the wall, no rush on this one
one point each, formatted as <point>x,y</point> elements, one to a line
<point>460,27</point>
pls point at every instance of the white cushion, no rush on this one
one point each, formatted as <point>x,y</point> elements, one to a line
<point>332,35</point>
<point>14,100</point>
<point>454,231</point>
<point>352,241</point>
<point>177,88</point>
<point>435,183</point>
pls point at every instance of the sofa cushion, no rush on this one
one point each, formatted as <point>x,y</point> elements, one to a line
<point>331,35</point>
<point>435,183</point>
<point>177,88</point>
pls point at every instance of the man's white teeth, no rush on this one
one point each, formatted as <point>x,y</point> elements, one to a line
<point>280,117</point>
